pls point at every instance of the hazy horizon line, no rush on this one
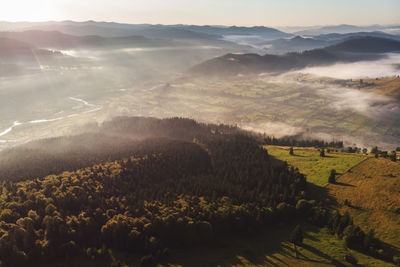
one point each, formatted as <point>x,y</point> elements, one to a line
<point>191,24</point>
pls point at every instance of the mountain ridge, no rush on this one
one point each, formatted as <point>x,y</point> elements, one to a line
<point>235,64</point>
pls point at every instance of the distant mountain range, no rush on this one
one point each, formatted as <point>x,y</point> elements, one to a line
<point>343,36</point>
<point>252,39</point>
<point>300,44</point>
<point>58,40</point>
<point>270,33</point>
<point>111,29</point>
<point>362,48</point>
<point>345,28</point>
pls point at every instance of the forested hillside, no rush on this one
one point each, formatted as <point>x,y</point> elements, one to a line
<point>112,140</point>
<point>177,194</point>
<point>175,184</point>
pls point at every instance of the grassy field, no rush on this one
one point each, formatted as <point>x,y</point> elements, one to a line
<point>373,190</point>
<point>371,186</point>
<point>315,167</point>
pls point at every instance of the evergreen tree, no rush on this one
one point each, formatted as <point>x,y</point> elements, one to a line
<point>297,237</point>
<point>291,152</point>
<point>375,150</point>
<point>322,154</point>
<point>393,156</point>
<point>332,177</point>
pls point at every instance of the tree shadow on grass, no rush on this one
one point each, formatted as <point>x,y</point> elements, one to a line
<point>262,248</point>
<point>301,156</point>
<point>316,251</point>
<point>268,247</point>
<point>321,193</point>
<point>344,184</point>
<point>312,250</point>
<point>308,236</point>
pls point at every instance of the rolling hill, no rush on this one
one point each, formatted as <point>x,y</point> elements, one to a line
<point>299,43</point>
<point>364,48</point>
<point>295,44</point>
<point>366,45</point>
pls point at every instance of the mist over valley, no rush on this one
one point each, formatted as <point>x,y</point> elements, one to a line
<point>199,145</point>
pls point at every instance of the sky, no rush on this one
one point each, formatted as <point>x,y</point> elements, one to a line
<point>210,12</point>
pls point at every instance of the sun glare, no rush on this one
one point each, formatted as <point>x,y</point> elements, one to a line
<point>27,10</point>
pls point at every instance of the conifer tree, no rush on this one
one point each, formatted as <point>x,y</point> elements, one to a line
<point>332,177</point>
<point>296,237</point>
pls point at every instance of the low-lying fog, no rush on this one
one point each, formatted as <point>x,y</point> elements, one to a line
<point>367,103</point>
<point>57,92</point>
<point>54,100</point>
<point>389,66</point>
<point>255,41</point>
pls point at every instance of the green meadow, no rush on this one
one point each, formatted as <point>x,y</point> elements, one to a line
<point>315,167</point>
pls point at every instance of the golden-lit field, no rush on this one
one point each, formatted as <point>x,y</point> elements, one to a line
<point>371,186</point>
<point>372,189</point>
<point>384,86</point>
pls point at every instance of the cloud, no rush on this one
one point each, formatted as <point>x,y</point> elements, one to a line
<point>277,129</point>
<point>368,103</point>
<point>363,69</point>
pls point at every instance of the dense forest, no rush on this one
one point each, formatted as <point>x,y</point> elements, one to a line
<point>173,193</point>
<point>186,185</point>
<point>111,140</point>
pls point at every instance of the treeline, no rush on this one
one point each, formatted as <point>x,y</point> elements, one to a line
<point>112,140</point>
<point>179,195</point>
<point>300,142</point>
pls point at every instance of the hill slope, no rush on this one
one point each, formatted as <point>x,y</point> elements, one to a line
<point>181,195</point>
<point>372,189</point>
<point>365,48</point>
<point>113,140</point>
<point>366,45</point>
